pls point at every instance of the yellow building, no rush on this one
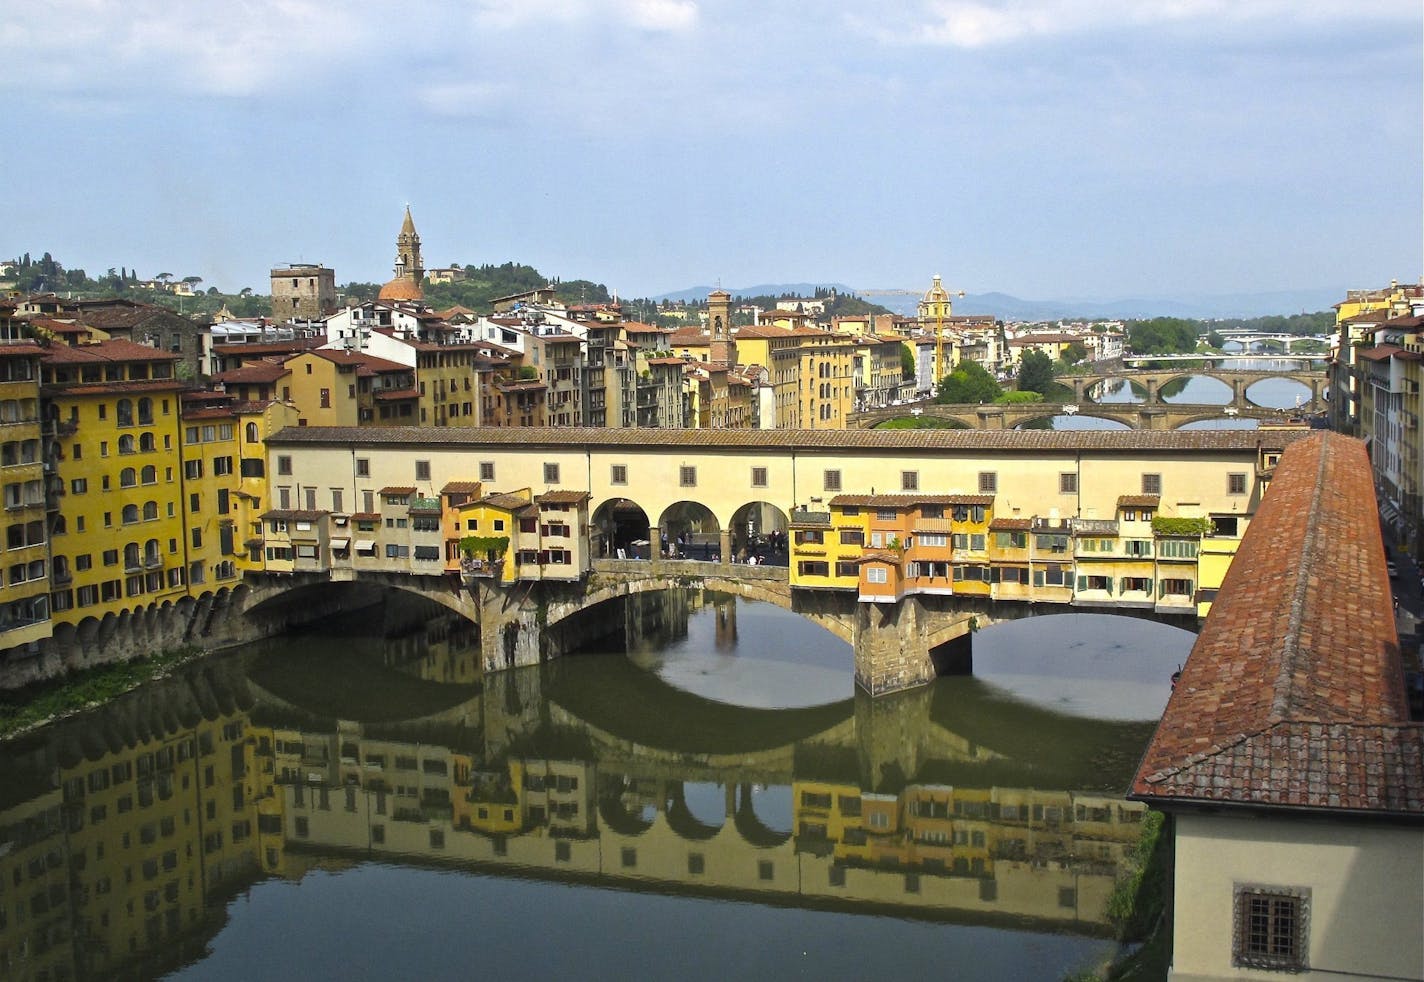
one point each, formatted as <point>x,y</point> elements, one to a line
<point>119,403</point>
<point>30,477</point>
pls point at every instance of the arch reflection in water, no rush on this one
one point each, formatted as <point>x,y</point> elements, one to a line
<point>934,803</point>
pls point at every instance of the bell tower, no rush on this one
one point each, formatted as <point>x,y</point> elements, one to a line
<point>408,262</point>
<point>719,328</point>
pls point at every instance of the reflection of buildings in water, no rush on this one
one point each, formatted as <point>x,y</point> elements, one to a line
<point>140,812</point>
<point>445,649</point>
<point>725,615</point>
<point>117,835</point>
<point>1050,856</point>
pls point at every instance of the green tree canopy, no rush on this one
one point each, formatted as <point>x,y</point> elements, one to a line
<point>968,383</point>
<point>1035,372</point>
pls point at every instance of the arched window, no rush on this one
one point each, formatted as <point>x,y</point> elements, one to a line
<point>150,552</point>
<point>126,443</point>
<point>251,432</point>
<point>124,412</point>
<point>60,567</point>
<point>128,477</point>
<point>130,514</point>
<point>149,474</point>
<point>146,443</point>
<point>145,411</point>
<point>150,511</point>
<point>131,556</point>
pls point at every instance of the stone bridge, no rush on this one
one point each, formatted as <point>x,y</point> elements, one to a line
<point>897,646</point>
<point>1010,416</point>
<point>1154,380</point>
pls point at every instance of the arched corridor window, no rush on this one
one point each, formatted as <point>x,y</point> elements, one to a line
<point>130,514</point>
<point>150,511</point>
<point>145,411</point>
<point>126,443</point>
<point>124,413</point>
<point>149,474</point>
<point>131,556</point>
<point>128,477</point>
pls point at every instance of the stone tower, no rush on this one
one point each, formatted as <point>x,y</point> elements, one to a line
<point>719,327</point>
<point>409,269</point>
<point>408,250</point>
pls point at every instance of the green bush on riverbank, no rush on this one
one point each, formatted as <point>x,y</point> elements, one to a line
<point>37,702</point>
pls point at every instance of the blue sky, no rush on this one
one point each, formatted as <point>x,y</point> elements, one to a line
<point>1045,148</point>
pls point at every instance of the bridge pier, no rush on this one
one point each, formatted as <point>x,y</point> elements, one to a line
<point>892,648</point>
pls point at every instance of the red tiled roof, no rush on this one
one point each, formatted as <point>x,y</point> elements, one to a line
<point>909,500</point>
<point>1139,500</point>
<point>562,497</point>
<point>1011,525</point>
<point>397,490</point>
<point>461,487</point>
<point>1293,694</point>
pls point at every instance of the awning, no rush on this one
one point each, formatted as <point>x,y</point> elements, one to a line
<point>341,545</point>
<point>365,545</point>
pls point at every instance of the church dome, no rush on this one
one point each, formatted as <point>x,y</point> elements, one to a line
<point>401,288</point>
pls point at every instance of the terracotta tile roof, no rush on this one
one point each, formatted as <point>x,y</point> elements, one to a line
<point>509,502</point>
<point>562,497</point>
<point>1011,525</point>
<point>366,516</point>
<point>394,395</point>
<point>255,371</point>
<point>113,350</point>
<point>1139,500</point>
<point>461,487</point>
<point>397,490</point>
<point>1293,694</point>
<point>1032,442</point>
<point>909,500</point>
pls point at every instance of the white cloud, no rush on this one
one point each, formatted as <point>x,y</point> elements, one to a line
<point>671,16</point>
<point>983,23</point>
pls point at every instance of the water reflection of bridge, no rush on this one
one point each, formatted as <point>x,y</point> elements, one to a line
<point>925,804</point>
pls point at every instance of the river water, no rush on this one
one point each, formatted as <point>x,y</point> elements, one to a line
<point>711,800</point>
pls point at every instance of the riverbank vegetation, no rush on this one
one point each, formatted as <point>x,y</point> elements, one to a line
<point>1137,910</point>
<point>39,702</point>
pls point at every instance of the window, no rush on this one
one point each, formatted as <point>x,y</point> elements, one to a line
<point>1151,483</point>
<point>909,480</point>
<point>1236,483</point>
<point>618,474</point>
<point>551,473</point>
<point>1271,926</point>
<point>284,464</point>
<point>486,470</point>
<point>877,574</point>
<point>687,477</point>
<point>988,482</point>
<point>831,480</point>
<point>422,470</point>
<point>78,486</point>
<point>758,477</point>
<point>363,467</point>
<point>193,469</point>
<point>1068,483</point>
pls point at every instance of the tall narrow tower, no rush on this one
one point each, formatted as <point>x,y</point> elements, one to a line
<point>408,250</point>
<point>719,327</point>
<point>409,269</point>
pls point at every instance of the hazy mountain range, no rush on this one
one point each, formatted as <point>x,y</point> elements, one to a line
<point>1010,308</point>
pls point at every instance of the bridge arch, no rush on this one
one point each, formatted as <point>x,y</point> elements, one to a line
<point>618,523</point>
<point>683,820</point>
<point>764,584</point>
<point>691,529</point>
<point>752,526</point>
<point>1089,410</point>
<point>753,828</point>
